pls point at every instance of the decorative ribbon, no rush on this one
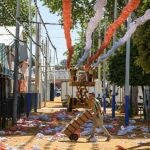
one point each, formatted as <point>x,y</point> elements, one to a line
<point>132,28</point>
<point>93,23</point>
<point>67,25</point>
<point>131,6</point>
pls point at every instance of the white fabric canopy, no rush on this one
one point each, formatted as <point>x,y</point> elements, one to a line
<point>6,38</point>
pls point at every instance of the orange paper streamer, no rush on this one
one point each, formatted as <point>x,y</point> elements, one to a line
<point>67,26</point>
<point>131,6</point>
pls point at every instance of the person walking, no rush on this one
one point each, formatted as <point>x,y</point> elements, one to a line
<point>97,117</point>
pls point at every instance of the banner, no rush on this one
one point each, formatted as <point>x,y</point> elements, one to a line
<point>131,6</point>
<point>67,26</point>
<point>132,28</point>
<point>93,23</point>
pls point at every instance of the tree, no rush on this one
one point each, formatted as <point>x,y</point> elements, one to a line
<point>117,69</point>
<point>82,11</point>
<point>63,62</point>
<point>8,9</point>
<point>10,6</point>
<point>141,40</point>
<point>137,75</point>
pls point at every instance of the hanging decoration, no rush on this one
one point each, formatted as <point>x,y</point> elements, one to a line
<point>132,28</point>
<point>93,23</point>
<point>67,25</point>
<point>131,6</point>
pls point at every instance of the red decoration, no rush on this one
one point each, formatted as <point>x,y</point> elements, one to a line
<point>131,6</point>
<point>67,26</point>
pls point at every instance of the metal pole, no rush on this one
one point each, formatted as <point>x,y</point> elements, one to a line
<point>37,64</point>
<point>104,79</point>
<point>127,69</point>
<point>114,87</point>
<point>45,72</point>
<point>99,66</point>
<point>48,69</point>
<point>15,86</point>
<point>54,74</point>
<point>104,86</point>
<point>30,41</point>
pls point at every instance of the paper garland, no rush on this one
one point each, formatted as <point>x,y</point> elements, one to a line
<point>132,28</point>
<point>67,25</point>
<point>93,23</point>
<point>131,6</point>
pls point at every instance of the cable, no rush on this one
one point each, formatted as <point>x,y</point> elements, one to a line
<point>46,29</point>
<point>25,27</point>
<point>19,41</point>
<point>46,23</point>
<point>26,33</point>
<point>35,42</point>
<point>13,34</point>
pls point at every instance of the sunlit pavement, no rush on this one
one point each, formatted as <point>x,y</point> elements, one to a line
<point>45,143</point>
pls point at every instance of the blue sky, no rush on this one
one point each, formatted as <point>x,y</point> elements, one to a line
<point>56,33</point>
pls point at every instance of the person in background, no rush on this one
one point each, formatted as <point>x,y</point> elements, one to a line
<point>97,117</point>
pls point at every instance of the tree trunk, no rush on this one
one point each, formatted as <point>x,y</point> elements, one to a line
<point>122,109</point>
<point>134,99</point>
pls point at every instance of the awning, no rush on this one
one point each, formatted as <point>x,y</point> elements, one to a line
<point>6,38</point>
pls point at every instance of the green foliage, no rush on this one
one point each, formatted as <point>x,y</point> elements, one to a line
<point>117,69</point>
<point>8,7</point>
<point>63,62</point>
<point>78,52</point>
<point>5,17</point>
<point>82,10</point>
<point>141,40</point>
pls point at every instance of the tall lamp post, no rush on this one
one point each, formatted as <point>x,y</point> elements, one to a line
<point>15,86</point>
<point>127,70</point>
<point>114,87</point>
<point>30,42</point>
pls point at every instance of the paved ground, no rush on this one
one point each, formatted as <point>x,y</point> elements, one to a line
<point>27,142</point>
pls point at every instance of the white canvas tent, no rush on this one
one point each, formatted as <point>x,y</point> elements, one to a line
<point>6,38</point>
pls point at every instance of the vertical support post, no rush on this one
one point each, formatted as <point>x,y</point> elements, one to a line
<point>48,70</point>
<point>114,87</point>
<point>37,64</point>
<point>104,86</point>
<point>127,69</point>
<point>99,66</point>
<point>30,42</point>
<point>15,86</point>
<point>113,101</point>
<point>54,75</point>
<point>104,79</point>
<point>46,73</point>
<point>43,71</point>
